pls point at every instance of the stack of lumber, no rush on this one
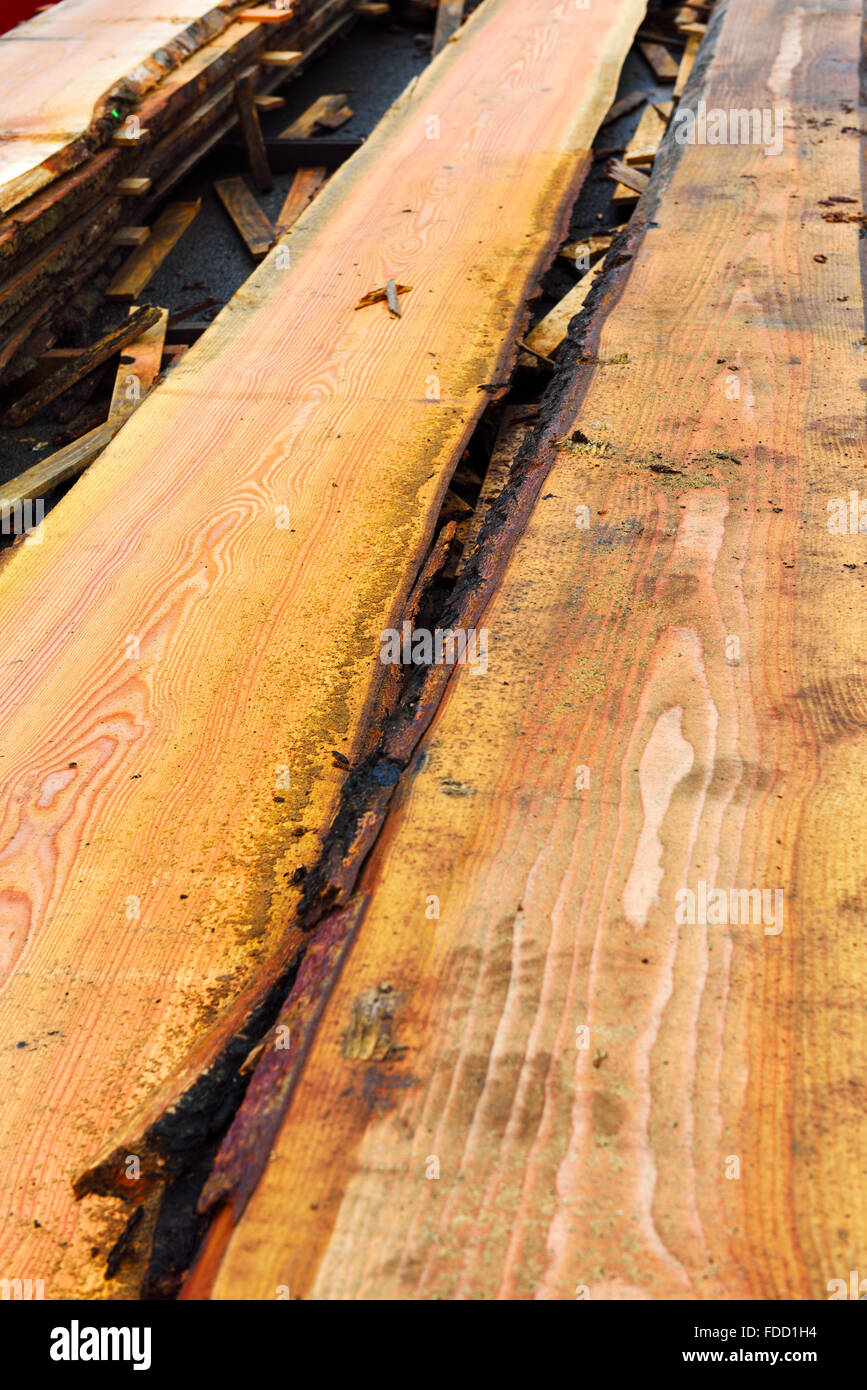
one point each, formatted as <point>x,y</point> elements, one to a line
<point>532,1075</point>
<point>103,111</point>
<point>193,650</point>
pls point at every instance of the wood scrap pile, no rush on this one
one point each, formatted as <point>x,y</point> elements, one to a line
<point>429,851</point>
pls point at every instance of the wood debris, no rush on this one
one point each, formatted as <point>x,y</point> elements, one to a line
<point>386,295</point>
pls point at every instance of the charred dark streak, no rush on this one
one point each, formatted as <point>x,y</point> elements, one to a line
<point>170,1145</point>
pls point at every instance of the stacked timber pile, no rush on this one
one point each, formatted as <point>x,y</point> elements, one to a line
<point>410,897</point>
<point>103,112</point>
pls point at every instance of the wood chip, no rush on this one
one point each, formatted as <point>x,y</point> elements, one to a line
<point>391,297</point>
<point>381,296</point>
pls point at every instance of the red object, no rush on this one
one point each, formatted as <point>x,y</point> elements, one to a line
<point>14,12</point>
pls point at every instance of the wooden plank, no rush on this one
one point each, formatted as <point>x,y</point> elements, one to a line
<point>309,120</point>
<point>336,119</point>
<point>551,330</point>
<point>659,60</point>
<point>138,368</point>
<point>80,366</point>
<point>263,14</point>
<point>251,133</point>
<point>581,251</point>
<point>129,137</point>
<point>624,105</point>
<point>687,62</point>
<point>302,190</point>
<point>281,58</point>
<point>138,268</point>
<point>184,125</point>
<point>163,878</point>
<point>252,224</point>
<point>645,142</point>
<point>59,467</point>
<point>631,183</point>
<point>594,1100</point>
<point>133,187</point>
<point>267,101</point>
<point>450,14</point>
<point>130,236</point>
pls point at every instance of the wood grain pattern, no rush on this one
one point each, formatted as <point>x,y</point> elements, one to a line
<point>202,625</point>
<point>623,1107</point>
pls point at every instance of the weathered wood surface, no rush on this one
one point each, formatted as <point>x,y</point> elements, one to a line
<point>252,225</point>
<point>551,330</point>
<point>203,622</point>
<point>620,1106</point>
<point>80,365</point>
<point>251,132</point>
<point>302,190</point>
<point>66,70</point>
<point>138,368</point>
<point>306,124</point>
<point>142,264</point>
<point>60,466</point>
